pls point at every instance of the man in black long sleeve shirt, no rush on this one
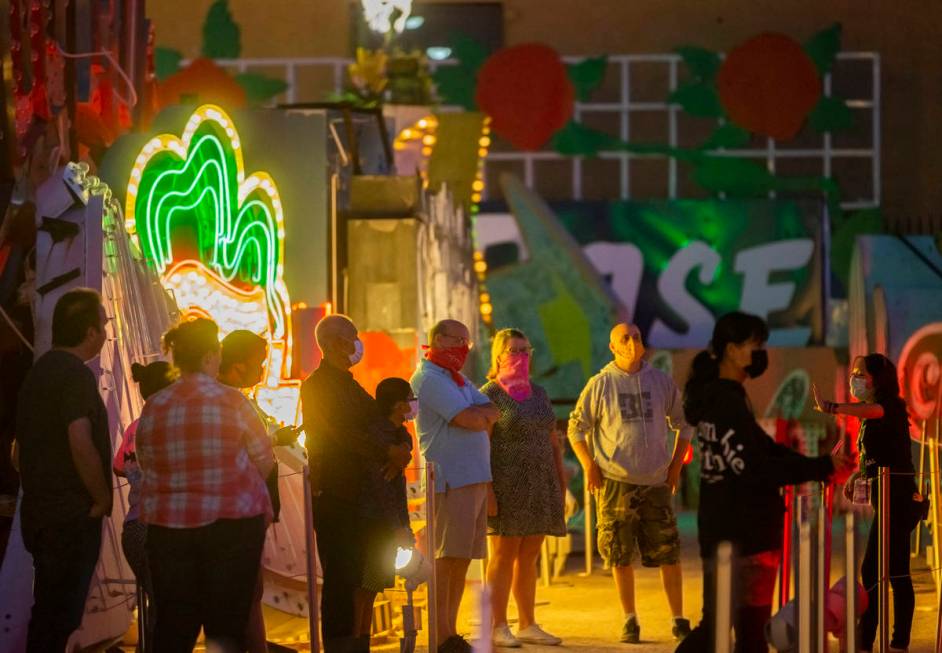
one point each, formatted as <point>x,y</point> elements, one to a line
<point>338,414</point>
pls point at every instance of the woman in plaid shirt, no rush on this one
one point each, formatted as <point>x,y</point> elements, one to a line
<point>205,454</point>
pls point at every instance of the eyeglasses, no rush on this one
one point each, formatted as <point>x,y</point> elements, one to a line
<point>520,350</point>
<point>461,340</point>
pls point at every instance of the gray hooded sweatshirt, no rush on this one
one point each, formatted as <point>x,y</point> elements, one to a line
<point>629,421</point>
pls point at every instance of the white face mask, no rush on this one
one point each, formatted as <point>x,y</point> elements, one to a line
<point>859,389</point>
<point>413,409</point>
<point>357,354</point>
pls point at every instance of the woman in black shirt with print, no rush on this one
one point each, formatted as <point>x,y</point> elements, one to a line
<point>883,442</point>
<point>742,471</point>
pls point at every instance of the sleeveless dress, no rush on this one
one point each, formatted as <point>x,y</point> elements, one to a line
<point>529,497</point>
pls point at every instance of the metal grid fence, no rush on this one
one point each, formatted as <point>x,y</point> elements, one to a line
<point>331,75</point>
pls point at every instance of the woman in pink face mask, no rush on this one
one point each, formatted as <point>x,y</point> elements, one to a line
<point>527,499</point>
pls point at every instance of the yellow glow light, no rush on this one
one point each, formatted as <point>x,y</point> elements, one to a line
<point>197,288</point>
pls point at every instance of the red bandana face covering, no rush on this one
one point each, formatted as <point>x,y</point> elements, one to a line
<point>451,358</point>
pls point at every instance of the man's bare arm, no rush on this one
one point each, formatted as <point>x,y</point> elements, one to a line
<point>88,464</point>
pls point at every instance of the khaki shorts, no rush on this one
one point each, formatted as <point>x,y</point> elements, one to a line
<point>639,515</point>
<point>461,522</point>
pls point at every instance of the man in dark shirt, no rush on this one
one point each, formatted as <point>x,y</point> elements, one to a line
<point>65,456</point>
<point>338,415</point>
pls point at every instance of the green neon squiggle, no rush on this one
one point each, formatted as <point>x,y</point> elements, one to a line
<point>198,195</point>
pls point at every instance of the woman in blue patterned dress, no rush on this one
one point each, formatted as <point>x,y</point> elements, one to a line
<point>527,500</point>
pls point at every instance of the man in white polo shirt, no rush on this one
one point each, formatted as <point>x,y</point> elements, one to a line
<point>454,418</point>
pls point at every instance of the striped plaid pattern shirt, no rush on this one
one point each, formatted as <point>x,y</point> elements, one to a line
<point>198,443</point>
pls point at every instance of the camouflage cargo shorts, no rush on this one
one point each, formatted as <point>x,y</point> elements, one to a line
<point>642,515</point>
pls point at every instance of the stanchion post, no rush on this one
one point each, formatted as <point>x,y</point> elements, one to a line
<point>803,595</point>
<point>785,567</point>
<point>850,582</point>
<point>430,547</point>
<point>919,483</point>
<point>883,522</point>
<point>821,579</point>
<point>589,544</point>
<point>546,572</point>
<point>143,643</point>
<point>313,607</point>
<point>724,600</point>
<point>483,643</point>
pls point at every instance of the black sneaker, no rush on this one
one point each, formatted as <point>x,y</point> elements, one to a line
<point>681,629</point>
<point>631,633</point>
<point>455,644</point>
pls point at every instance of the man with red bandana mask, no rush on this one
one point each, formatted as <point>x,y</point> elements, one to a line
<point>453,421</point>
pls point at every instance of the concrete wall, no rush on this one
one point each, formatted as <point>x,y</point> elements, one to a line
<point>906,34</point>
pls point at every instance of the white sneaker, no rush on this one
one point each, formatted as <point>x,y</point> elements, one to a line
<point>533,634</point>
<point>503,638</point>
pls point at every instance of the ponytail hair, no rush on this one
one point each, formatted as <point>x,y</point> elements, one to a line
<point>732,328</point>
<point>152,378</point>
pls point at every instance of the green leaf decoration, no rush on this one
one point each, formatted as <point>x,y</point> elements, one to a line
<point>698,99</point>
<point>470,54</point>
<point>455,85</point>
<point>733,176</point>
<point>221,34</point>
<point>587,75</point>
<point>259,88</point>
<point>727,136</point>
<point>831,114</point>
<point>845,232</point>
<point>703,64</point>
<point>823,48</point>
<point>575,139</point>
<point>166,62</point>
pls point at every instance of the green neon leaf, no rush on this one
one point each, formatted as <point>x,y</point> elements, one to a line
<point>831,114</point>
<point>823,48</point>
<point>221,34</point>
<point>166,62</point>
<point>587,75</point>
<point>575,139</point>
<point>455,85</point>
<point>728,136</point>
<point>188,207</point>
<point>698,99</point>
<point>259,88</point>
<point>859,223</point>
<point>733,176</point>
<point>702,63</point>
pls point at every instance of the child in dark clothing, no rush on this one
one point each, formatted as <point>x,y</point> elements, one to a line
<point>385,505</point>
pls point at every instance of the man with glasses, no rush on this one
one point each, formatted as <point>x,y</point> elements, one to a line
<point>65,466</point>
<point>453,422</point>
<point>338,416</point>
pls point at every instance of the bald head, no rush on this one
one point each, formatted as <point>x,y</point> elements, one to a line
<point>622,332</point>
<point>625,343</point>
<point>448,333</point>
<point>331,328</point>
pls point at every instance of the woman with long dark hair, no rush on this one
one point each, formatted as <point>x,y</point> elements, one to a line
<point>742,471</point>
<point>883,442</point>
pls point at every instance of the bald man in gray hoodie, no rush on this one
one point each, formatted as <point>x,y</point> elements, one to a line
<point>629,433</point>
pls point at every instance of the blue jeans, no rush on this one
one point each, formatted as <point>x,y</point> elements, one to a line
<point>64,559</point>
